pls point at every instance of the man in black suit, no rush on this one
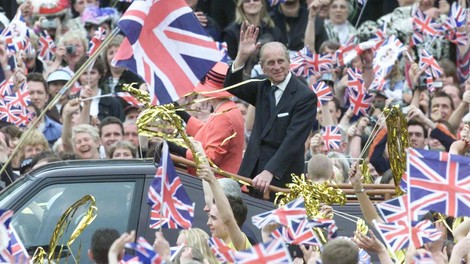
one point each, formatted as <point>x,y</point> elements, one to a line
<point>285,113</point>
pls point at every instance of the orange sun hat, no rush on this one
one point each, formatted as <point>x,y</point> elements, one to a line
<point>213,82</point>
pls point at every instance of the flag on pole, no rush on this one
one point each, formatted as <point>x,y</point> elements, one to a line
<point>273,252</point>
<point>47,47</point>
<point>397,235</point>
<point>171,205</point>
<point>95,42</point>
<point>167,47</point>
<point>331,135</point>
<point>323,92</point>
<point>285,215</point>
<point>438,181</point>
<point>222,252</point>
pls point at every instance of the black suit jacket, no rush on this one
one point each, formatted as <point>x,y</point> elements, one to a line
<point>277,141</point>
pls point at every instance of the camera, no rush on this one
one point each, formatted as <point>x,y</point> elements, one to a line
<point>423,85</point>
<point>49,23</point>
<point>70,49</point>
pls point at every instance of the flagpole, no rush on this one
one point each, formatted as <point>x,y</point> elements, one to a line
<point>360,14</point>
<point>62,91</point>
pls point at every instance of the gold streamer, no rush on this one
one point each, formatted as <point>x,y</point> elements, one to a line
<point>397,142</point>
<point>228,138</point>
<point>366,177</point>
<point>153,121</point>
<point>63,224</point>
<point>314,195</point>
<point>361,226</point>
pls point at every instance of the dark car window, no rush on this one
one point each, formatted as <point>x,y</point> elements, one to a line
<point>36,220</point>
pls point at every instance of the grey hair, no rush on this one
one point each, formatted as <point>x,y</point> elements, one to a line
<point>270,45</point>
<point>86,128</point>
<point>230,187</point>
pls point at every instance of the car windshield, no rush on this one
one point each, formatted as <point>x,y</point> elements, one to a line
<point>15,187</point>
<point>36,220</point>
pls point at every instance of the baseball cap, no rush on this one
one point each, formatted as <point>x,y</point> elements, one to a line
<point>59,75</point>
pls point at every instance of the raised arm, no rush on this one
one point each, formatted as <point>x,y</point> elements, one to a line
<point>367,208</point>
<point>248,44</point>
<point>221,202</point>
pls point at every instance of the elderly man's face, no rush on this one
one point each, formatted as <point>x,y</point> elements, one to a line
<point>275,63</point>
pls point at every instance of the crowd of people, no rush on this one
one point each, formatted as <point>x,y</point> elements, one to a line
<point>270,123</point>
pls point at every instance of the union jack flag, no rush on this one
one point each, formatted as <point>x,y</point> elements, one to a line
<point>17,35</point>
<point>47,47</point>
<point>7,87</point>
<point>16,247</point>
<point>222,252</point>
<point>95,42</point>
<point>456,37</point>
<point>19,99</point>
<point>167,47</point>
<point>439,182</point>
<point>331,136</point>
<point>426,60</point>
<point>299,63</point>
<point>458,15</point>
<point>293,211</point>
<point>323,92</point>
<point>355,81</point>
<point>359,99</point>
<point>344,51</point>
<point>14,252</point>
<point>276,2</point>
<point>129,98</point>
<point>223,48</point>
<point>423,257</point>
<point>424,24</point>
<point>301,233</point>
<point>273,252</point>
<point>144,251</point>
<point>395,209</point>
<point>364,257</point>
<point>397,235</point>
<point>380,80</point>
<point>389,52</point>
<point>171,205</point>
<point>417,38</point>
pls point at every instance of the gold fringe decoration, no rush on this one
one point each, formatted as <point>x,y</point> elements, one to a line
<point>40,255</point>
<point>314,195</point>
<point>397,142</point>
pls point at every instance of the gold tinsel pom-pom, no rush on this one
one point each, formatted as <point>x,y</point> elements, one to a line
<point>314,195</point>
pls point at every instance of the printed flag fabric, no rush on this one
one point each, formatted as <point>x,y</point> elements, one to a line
<point>95,42</point>
<point>388,53</point>
<point>427,62</point>
<point>47,47</point>
<point>222,252</point>
<point>293,211</point>
<point>301,233</point>
<point>131,100</point>
<point>144,252</point>
<point>273,252</point>
<point>16,35</point>
<point>171,205</point>
<point>323,92</point>
<point>167,47</point>
<point>397,235</point>
<point>438,181</point>
<point>11,248</point>
<point>396,209</point>
<point>331,136</point>
<point>13,106</point>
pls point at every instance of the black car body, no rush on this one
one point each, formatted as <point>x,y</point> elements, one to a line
<point>120,189</point>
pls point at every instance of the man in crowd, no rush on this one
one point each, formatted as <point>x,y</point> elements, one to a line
<point>285,113</point>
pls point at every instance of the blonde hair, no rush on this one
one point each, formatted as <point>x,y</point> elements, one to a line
<point>240,15</point>
<point>197,238</point>
<point>34,138</point>
<point>75,34</point>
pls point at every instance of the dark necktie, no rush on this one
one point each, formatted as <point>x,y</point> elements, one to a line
<point>272,98</point>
